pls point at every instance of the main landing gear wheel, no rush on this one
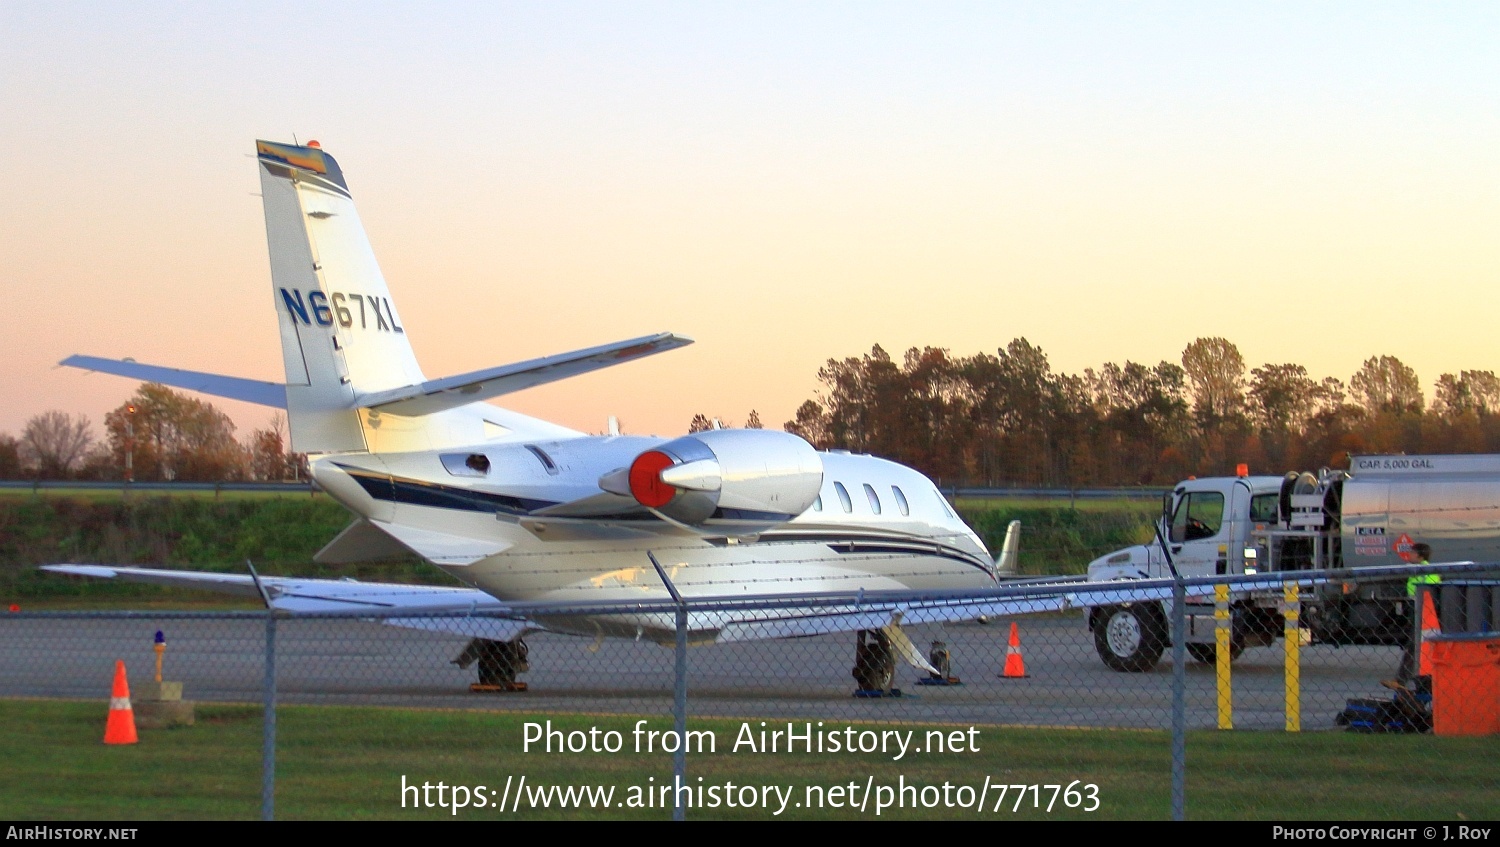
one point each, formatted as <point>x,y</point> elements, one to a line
<point>1130,638</point>
<point>874,664</point>
<point>499,662</point>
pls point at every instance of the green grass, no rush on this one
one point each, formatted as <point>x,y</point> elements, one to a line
<point>1148,507</point>
<point>1056,539</point>
<point>347,763</point>
<point>279,533</point>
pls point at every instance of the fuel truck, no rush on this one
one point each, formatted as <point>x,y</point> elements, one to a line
<point>1368,516</point>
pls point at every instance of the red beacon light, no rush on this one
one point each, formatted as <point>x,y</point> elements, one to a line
<point>314,143</point>
<point>1242,470</point>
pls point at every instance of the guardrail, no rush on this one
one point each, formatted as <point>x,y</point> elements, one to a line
<point>216,487</point>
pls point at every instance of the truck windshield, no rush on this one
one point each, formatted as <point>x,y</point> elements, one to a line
<point>1199,515</point>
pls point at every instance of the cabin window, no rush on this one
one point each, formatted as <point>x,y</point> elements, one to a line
<point>466,464</point>
<point>901,500</point>
<point>873,498</point>
<point>844,496</point>
<point>541,456</point>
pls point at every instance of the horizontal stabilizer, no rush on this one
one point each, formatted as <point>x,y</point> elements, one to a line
<point>248,390</point>
<point>454,391</point>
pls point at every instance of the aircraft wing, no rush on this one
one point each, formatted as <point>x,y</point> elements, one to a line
<point>1018,598</point>
<point>248,390</point>
<point>454,391</point>
<point>337,595</point>
<point>756,619</point>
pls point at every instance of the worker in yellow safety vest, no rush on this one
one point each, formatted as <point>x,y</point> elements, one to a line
<point>1423,552</point>
<point>1408,669</point>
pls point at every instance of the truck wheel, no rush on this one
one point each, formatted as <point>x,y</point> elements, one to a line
<point>1130,638</point>
<point>1208,654</point>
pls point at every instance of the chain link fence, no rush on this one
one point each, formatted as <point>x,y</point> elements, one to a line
<point>1111,701</point>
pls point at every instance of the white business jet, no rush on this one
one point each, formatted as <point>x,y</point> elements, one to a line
<point>526,511</point>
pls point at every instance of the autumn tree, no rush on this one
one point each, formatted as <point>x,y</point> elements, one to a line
<point>1145,409</point>
<point>54,443</point>
<point>1282,397</point>
<point>1471,391</point>
<point>1018,409</point>
<point>10,457</point>
<point>1216,373</point>
<point>269,459</point>
<point>753,421</point>
<point>172,436</point>
<point>810,424</point>
<point>1384,384</point>
<point>700,423</point>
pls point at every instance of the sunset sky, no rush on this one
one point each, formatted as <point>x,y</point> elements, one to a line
<point>783,182</point>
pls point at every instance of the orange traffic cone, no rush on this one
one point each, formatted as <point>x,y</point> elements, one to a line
<point>1430,627</point>
<point>121,726</point>
<point>1015,665</point>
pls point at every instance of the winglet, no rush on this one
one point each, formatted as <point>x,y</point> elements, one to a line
<point>1010,551</point>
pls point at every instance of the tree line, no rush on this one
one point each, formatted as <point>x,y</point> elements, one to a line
<point>994,420</point>
<point>1009,420</point>
<point>157,435</point>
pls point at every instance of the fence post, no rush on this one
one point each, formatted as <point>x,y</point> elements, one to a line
<point>1222,656</point>
<point>679,693</point>
<point>268,735</point>
<point>1179,700</point>
<point>1291,635</point>
<point>679,715</point>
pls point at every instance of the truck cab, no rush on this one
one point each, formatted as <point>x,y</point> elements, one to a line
<point>1208,525</point>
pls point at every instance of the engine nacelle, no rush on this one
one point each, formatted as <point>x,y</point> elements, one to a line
<point>748,477</point>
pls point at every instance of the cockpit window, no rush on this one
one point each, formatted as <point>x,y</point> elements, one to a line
<point>943,502</point>
<point>873,498</point>
<point>818,504</point>
<point>466,464</point>
<point>901,500</point>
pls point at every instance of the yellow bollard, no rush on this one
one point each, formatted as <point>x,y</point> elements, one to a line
<point>1221,656</point>
<point>1291,637</point>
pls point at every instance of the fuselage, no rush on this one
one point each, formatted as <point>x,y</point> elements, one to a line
<point>531,523</point>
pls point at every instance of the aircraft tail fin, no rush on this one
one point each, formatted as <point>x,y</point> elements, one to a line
<point>352,379</point>
<point>340,333</point>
